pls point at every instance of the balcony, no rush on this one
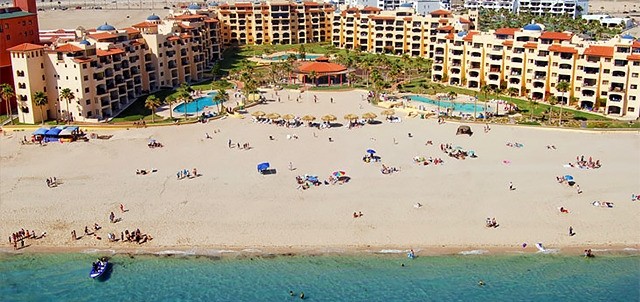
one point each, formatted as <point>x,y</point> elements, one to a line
<point>591,70</point>
<point>616,88</point>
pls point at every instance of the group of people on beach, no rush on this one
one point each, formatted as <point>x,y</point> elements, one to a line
<point>306,181</point>
<point>456,153</point>
<point>388,170</point>
<point>154,144</point>
<point>134,236</point>
<point>21,236</point>
<point>420,160</point>
<point>185,173</point>
<point>52,182</point>
<point>582,163</point>
<point>244,146</point>
<point>491,223</point>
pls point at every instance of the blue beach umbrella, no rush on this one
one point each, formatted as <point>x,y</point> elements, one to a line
<point>371,151</point>
<point>263,166</point>
<point>568,177</point>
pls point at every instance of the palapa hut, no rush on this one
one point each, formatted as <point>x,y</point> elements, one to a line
<point>322,72</point>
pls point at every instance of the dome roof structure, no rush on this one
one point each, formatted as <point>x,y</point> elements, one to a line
<point>462,34</point>
<point>212,4</point>
<point>627,36</point>
<point>153,17</point>
<point>406,5</point>
<point>193,6</point>
<point>105,27</point>
<point>85,42</point>
<point>533,27</point>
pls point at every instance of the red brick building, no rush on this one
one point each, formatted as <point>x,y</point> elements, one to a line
<point>18,24</point>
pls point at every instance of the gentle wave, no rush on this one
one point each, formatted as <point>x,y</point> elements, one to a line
<point>630,249</point>
<point>174,252</point>
<point>252,251</point>
<point>98,251</point>
<point>391,252</point>
<point>473,252</point>
<point>549,251</point>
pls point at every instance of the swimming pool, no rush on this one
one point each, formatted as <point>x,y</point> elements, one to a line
<point>197,105</point>
<point>285,56</point>
<point>460,107</point>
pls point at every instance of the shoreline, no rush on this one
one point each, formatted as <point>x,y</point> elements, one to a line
<point>265,251</point>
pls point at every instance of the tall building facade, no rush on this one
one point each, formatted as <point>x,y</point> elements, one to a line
<point>273,22</point>
<point>529,61</point>
<point>18,24</point>
<point>107,68</point>
<point>573,8</point>
<point>396,32</point>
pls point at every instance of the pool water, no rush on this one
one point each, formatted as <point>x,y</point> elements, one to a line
<point>460,107</point>
<point>285,56</point>
<point>197,105</point>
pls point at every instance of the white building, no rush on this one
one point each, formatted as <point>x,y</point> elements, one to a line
<point>609,21</point>
<point>422,7</point>
<point>573,8</point>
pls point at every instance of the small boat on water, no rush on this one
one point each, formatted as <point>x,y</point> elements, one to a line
<point>99,268</point>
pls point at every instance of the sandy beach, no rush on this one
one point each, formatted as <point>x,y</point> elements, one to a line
<point>231,205</point>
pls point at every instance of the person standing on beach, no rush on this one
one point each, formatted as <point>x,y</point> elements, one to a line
<point>122,208</point>
<point>571,233</point>
<point>511,187</point>
<point>112,217</point>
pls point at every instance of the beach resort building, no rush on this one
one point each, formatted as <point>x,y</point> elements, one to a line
<point>397,32</point>
<point>271,22</point>
<point>529,62</point>
<point>107,69</point>
<point>572,8</point>
<point>18,24</point>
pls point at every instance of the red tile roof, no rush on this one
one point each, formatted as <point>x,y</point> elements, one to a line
<point>449,36</point>
<point>552,35</point>
<point>185,26</point>
<point>309,4</point>
<point>211,21</point>
<point>131,30</point>
<point>102,36</point>
<point>464,20</point>
<point>469,36</point>
<point>83,60</point>
<point>446,28</point>
<point>145,24</point>
<point>635,44</point>
<point>439,12</point>
<point>188,17</point>
<point>600,51</point>
<point>531,45</point>
<point>388,18</point>
<point>635,57</point>
<point>508,43</point>
<point>68,48</point>
<point>173,38</point>
<point>321,67</point>
<point>565,49</point>
<point>506,31</point>
<point>112,51</point>
<point>25,47</point>
<point>370,9</point>
<point>443,20</point>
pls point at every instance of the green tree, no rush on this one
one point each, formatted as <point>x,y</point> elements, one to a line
<point>40,100</point>
<point>302,52</point>
<point>563,87</point>
<point>6,93</point>
<point>314,76</point>
<point>184,95</point>
<point>152,102</point>
<point>215,71</point>
<point>170,100</point>
<point>221,97</point>
<point>485,89</point>
<point>67,95</point>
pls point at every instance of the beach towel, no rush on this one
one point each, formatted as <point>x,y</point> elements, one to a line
<point>506,162</point>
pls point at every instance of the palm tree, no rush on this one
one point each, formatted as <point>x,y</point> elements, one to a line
<point>67,95</point>
<point>512,91</point>
<point>486,89</point>
<point>152,102</point>
<point>184,95</point>
<point>170,100</point>
<point>314,76</point>
<point>563,86</point>
<point>40,100</point>
<point>215,71</point>
<point>6,93</point>
<point>221,97</point>
<point>302,52</point>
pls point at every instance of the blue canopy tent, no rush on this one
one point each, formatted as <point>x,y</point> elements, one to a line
<point>263,166</point>
<point>68,131</point>
<point>40,131</point>
<point>52,135</point>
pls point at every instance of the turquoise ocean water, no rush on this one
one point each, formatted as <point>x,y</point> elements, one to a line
<point>64,277</point>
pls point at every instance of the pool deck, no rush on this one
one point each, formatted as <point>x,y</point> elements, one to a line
<point>264,59</point>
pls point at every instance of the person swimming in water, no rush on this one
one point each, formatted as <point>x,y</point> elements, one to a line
<point>481,283</point>
<point>302,295</point>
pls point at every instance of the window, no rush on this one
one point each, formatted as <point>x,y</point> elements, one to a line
<point>631,109</point>
<point>86,78</point>
<point>607,70</point>
<point>634,75</point>
<point>88,102</point>
<point>41,65</point>
<point>633,86</point>
<point>86,90</point>
<point>84,66</point>
<point>607,60</point>
<point>44,89</point>
<point>8,37</point>
<point>43,77</point>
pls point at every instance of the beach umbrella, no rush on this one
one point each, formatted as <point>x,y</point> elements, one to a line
<point>308,118</point>
<point>350,117</point>
<point>263,166</point>
<point>273,116</point>
<point>371,151</point>
<point>329,118</point>
<point>388,112</point>
<point>369,115</point>
<point>288,116</point>
<point>258,114</point>
<point>339,173</point>
<point>568,177</point>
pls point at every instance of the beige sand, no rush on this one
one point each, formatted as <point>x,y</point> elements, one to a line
<point>232,206</point>
<point>89,18</point>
